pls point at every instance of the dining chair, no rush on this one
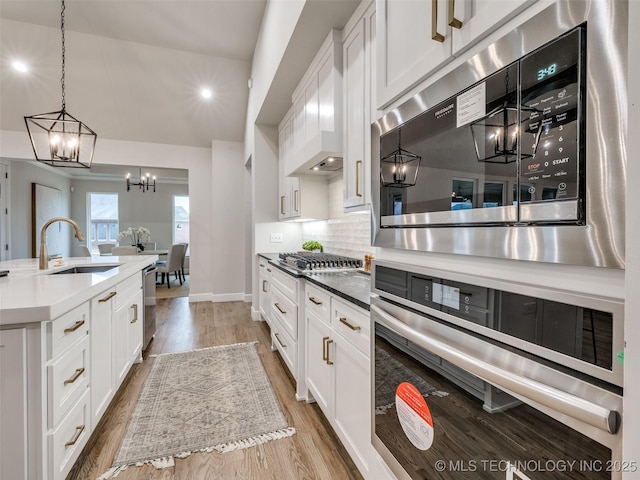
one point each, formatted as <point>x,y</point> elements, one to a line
<point>184,254</point>
<point>125,250</point>
<point>84,250</point>
<point>173,263</point>
<point>105,248</point>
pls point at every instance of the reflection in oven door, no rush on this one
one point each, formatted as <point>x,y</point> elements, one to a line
<point>436,418</point>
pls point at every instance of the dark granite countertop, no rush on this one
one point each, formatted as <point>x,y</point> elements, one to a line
<point>353,285</point>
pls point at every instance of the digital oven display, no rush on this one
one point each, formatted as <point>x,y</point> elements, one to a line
<point>446,295</point>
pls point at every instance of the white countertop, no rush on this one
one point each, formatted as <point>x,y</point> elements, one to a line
<point>31,295</point>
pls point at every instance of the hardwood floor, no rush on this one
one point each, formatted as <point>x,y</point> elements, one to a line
<point>314,452</point>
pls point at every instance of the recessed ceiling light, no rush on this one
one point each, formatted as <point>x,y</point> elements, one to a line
<point>20,66</point>
<point>206,93</point>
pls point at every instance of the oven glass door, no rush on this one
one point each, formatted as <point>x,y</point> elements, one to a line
<point>440,421</point>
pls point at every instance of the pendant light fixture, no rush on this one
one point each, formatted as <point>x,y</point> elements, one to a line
<point>399,168</point>
<point>59,139</point>
<point>145,182</point>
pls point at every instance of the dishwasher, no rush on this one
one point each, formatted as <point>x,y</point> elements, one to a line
<point>149,294</point>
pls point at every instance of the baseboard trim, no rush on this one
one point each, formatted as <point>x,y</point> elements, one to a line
<point>255,314</point>
<point>227,297</point>
<point>248,298</point>
<point>200,297</point>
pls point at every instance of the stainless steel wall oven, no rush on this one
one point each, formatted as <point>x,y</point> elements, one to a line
<point>478,378</point>
<point>518,152</point>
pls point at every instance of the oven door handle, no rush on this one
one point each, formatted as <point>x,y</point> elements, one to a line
<point>588,412</point>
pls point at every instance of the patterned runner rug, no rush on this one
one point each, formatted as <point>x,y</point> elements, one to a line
<point>213,399</point>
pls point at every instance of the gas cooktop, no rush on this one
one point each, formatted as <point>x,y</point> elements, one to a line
<point>312,261</point>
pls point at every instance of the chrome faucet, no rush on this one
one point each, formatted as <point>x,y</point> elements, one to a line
<point>44,255</point>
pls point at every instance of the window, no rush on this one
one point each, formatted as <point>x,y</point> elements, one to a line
<point>181,219</point>
<point>103,219</point>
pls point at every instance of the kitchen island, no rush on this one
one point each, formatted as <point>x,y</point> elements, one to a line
<point>68,338</point>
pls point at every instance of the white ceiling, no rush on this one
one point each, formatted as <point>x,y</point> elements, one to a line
<point>134,69</point>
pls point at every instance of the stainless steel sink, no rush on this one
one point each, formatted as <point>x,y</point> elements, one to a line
<point>85,269</point>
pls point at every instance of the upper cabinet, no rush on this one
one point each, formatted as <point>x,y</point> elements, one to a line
<point>358,54</point>
<point>317,110</point>
<point>415,37</point>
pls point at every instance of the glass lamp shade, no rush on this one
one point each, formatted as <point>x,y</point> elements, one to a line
<point>399,169</point>
<point>495,136</point>
<point>60,140</point>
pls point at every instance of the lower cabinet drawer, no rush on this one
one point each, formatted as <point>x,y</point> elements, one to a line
<point>285,311</point>
<point>66,441</point>
<point>352,323</point>
<point>67,380</point>
<point>68,328</point>
<point>287,347</point>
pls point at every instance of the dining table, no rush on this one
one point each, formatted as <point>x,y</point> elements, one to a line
<point>159,252</point>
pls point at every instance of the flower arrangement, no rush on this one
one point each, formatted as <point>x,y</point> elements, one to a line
<point>138,235</point>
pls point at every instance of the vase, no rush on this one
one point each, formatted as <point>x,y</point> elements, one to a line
<point>140,246</point>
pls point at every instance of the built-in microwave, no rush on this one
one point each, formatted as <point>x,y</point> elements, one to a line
<point>518,152</point>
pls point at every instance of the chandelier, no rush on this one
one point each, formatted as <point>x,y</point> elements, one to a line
<point>59,139</point>
<point>145,182</point>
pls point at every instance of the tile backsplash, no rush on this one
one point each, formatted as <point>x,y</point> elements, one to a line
<point>346,234</point>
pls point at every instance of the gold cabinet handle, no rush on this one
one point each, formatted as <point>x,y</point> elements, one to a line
<point>282,205</point>
<point>284,312</point>
<point>264,286</point>
<point>355,328</point>
<point>75,326</point>
<point>79,371</point>
<point>438,37</point>
<point>296,194</point>
<point>315,301</point>
<point>358,163</point>
<point>324,349</point>
<point>329,342</point>
<point>262,264</point>
<point>279,341</point>
<point>135,313</point>
<point>76,436</point>
<point>269,270</point>
<point>452,20</point>
<point>108,297</point>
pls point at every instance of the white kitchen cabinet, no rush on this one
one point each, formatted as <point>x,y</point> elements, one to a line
<point>287,324</point>
<point>264,284</point>
<point>13,404</point>
<point>300,198</point>
<point>359,108</point>
<point>102,363</point>
<point>338,370</point>
<point>408,52</point>
<point>317,109</point>
<point>128,323</point>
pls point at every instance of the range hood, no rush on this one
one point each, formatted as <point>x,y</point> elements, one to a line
<point>329,165</point>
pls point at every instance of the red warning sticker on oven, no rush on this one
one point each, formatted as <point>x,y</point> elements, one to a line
<point>414,415</point>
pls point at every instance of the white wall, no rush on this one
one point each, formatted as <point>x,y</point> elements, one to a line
<point>22,174</point>
<point>136,209</point>
<point>227,245</point>
<point>631,422</point>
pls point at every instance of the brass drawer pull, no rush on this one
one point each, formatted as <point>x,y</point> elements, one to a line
<point>452,20</point>
<point>76,436</point>
<point>108,297</point>
<point>262,264</point>
<point>269,270</point>
<point>135,313</point>
<point>79,371</point>
<point>75,327</point>
<point>279,341</point>
<point>284,312</point>
<point>324,348</point>
<point>358,163</point>
<point>438,37</point>
<point>329,342</point>
<point>315,301</point>
<point>355,328</point>
<point>282,212</point>
<point>264,286</point>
